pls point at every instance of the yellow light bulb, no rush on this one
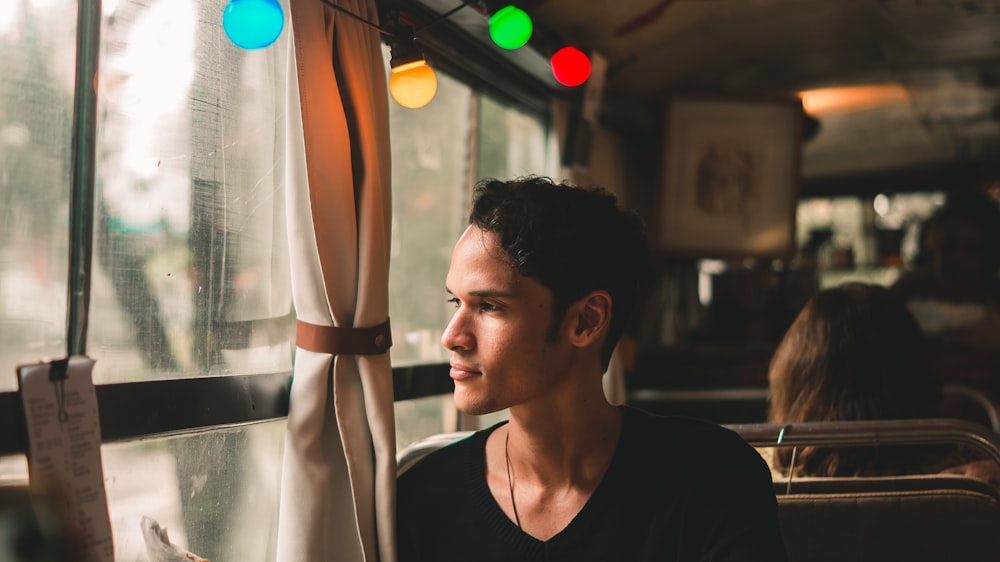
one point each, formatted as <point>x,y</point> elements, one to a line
<point>413,84</point>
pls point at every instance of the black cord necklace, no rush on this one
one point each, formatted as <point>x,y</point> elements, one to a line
<point>510,479</point>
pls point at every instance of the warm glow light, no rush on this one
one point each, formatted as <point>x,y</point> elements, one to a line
<point>510,27</point>
<point>413,84</point>
<point>570,66</point>
<point>253,24</point>
<point>852,98</point>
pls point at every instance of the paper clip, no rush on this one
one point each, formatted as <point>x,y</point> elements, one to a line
<point>58,373</point>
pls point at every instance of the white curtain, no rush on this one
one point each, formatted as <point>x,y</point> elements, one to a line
<point>338,478</point>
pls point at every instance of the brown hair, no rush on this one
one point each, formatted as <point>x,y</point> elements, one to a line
<point>853,353</point>
<point>572,240</point>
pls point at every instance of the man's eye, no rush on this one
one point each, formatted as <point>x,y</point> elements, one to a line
<point>488,307</point>
<point>454,301</point>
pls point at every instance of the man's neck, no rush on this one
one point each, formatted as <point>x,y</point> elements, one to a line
<point>564,445</point>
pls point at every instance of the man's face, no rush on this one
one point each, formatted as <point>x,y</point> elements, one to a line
<point>502,354</point>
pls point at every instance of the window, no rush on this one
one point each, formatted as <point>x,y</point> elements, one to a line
<point>190,272</point>
<point>438,153</point>
<point>215,492</point>
<point>190,268</point>
<point>862,239</point>
<point>37,46</point>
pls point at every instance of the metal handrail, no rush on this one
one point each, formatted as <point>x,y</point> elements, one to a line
<point>699,394</point>
<point>931,431</point>
<point>979,397</point>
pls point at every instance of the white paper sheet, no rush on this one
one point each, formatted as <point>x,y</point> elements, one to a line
<point>64,447</point>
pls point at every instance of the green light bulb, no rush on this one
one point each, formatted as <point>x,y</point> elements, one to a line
<point>510,27</point>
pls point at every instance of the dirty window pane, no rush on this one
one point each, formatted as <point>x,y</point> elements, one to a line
<point>37,50</point>
<point>215,493</point>
<point>190,269</point>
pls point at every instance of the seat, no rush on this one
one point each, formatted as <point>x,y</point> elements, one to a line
<point>409,455</point>
<point>912,519</point>
<point>932,518</point>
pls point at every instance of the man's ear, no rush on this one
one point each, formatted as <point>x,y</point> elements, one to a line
<point>591,317</point>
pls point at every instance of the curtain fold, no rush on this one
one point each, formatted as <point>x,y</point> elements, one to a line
<point>339,471</point>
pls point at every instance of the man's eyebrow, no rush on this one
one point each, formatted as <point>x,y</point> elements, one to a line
<point>485,293</point>
<point>491,293</point>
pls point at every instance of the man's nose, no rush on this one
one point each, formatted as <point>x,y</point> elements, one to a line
<point>456,335</point>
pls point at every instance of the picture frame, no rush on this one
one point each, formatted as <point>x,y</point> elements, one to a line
<point>729,177</point>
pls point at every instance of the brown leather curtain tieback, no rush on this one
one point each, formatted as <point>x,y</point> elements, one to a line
<point>343,341</point>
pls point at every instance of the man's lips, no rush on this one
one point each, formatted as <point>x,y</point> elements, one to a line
<point>462,372</point>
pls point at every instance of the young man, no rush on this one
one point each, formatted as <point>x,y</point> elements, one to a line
<point>544,281</point>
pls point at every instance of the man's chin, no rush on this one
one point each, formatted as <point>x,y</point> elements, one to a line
<point>473,406</point>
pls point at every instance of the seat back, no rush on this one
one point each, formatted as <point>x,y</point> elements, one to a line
<point>916,519</point>
<point>967,402</point>
<point>409,455</point>
<point>929,518</point>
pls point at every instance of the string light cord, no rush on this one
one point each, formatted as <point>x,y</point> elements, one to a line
<point>345,11</point>
<point>387,32</point>
<point>443,16</point>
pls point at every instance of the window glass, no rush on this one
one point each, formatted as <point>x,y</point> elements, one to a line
<point>37,50</point>
<point>511,143</point>
<point>13,470</point>
<point>868,240</point>
<point>422,417</point>
<point>430,199</point>
<point>190,268</point>
<point>430,187</point>
<point>216,493</point>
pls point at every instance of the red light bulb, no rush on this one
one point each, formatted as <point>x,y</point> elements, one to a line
<point>570,66</point>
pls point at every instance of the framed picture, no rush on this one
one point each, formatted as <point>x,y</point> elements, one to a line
<point>729,177</point>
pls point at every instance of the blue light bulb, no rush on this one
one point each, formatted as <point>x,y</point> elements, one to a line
<point>253,24</point>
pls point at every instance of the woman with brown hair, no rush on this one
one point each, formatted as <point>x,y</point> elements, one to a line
<point>855,353</point>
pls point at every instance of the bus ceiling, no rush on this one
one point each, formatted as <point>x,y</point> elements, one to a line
<point>903,91</point>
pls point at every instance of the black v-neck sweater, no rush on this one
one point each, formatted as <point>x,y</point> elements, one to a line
<point>677,489</point>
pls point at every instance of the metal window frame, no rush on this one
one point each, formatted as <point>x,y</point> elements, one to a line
<point>162,408</point>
